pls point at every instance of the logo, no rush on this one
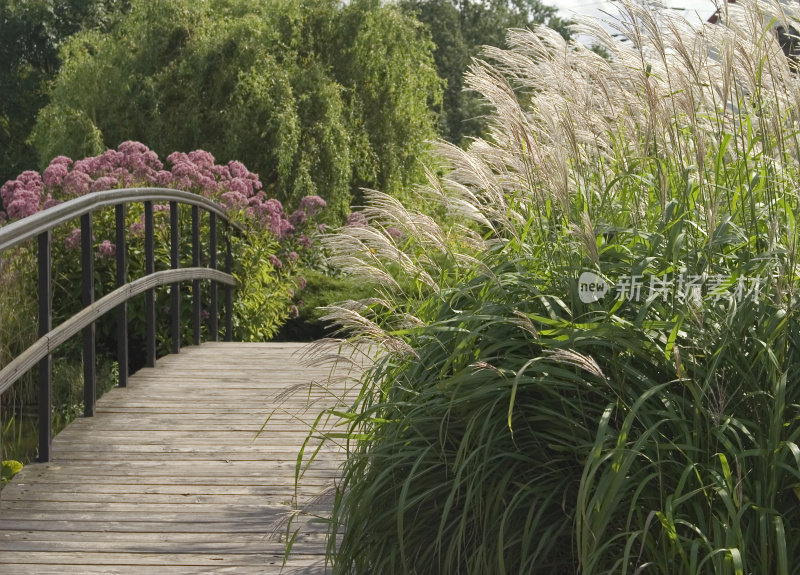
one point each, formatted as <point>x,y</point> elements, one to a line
<point>686,288</point>
<point>591,287</point>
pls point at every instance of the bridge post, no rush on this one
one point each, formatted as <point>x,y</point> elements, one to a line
<point>45,364</point>
<point>213,327</point>
<point>196,263</point>
<point>87,281</point>
<point>122,310</point>
<point>149,302</point>
<point>228,289</point>
<point>175,290</point>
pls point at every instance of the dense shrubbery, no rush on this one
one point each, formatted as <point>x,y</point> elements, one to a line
<point>520,423</point>
<point>460,30</point>
<point>267,253</point>
<point>317,97</point>
<point>31,34</point>
<point>273,247</point>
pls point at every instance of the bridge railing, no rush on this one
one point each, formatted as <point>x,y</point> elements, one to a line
<point>40,226</point>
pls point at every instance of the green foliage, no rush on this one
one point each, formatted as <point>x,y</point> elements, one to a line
<point>262,299</point>
<point>10,469</point>
<point>67,129</point>
<point>512,425</point>
<point>31,34</point>
<point>460,29</point>
<point>316,97</point>
<point>315,290</point>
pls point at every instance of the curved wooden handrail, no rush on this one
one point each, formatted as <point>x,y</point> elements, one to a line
<point>48,343</point>
<point>39,226</point>
<point>28,228</point>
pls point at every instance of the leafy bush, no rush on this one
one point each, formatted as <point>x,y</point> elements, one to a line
<point>10,469</point>
<point>315,290</point>
<point>520,420</point>
<point>318,97</point>
<point>266,254</point>
<point>270,250</point>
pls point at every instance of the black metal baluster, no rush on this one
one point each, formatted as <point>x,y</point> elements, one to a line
<point>45,364</point>
<point>87,281</point>
<point>213,327</point>
<point>196,264</point>
<point>150,302</point>
<point>174,254</point>
<point>122,310</point>
<point>228,289</point>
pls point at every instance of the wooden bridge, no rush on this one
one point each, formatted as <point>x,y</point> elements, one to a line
<point>174,473</point>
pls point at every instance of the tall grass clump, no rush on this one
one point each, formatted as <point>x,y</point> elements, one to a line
<point>594,369</point>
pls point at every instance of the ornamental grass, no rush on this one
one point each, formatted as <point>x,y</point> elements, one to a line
<point>591,366</point>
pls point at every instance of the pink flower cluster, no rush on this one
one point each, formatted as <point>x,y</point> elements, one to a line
<point>134,164</point>
<point>106,249</point>
<point>24,196</point>
<point>356,220</point>
<point>131,163</point>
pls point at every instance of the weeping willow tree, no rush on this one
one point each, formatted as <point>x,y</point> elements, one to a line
<point>594,371</point>
<point>316,97</point>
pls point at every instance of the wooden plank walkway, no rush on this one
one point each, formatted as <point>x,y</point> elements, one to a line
<point>172,476</point>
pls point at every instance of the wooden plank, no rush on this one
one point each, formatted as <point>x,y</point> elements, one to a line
<point>152,559</point>
<point>314,568</point>
<point>176,475</point>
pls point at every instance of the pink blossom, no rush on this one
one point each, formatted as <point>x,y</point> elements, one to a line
<point>240,186</point>
<point>21,197</point>
<point>356,219</point>
<point>285,229</point>
<point>183,169</point>
<point>86,166</point>
<point>54,174</point>
<point>312,205</point>
<point>201,158</point>
<point>50,202</point>
<point>106,162</point>
<point>276,263</point>
<point>131,147</point>
<point>123,176</point>
<point>208,186</point>
<point>160,207</point>
<point>136,229</point>
<point>221,172</point>
<point>294,312</point>
<point>73,241</point>
<point>25,203</point>
<point>3,218</point>
<point>238,169</point>
<point>77,183</point>
<point>394,233</point>
<point>301,283</point>
<point>163,178</point>
<point>204,314</point>
<point>234,200</point>
<point>294,256</point>
<point>61,160</point>
<point>104,183</point>
<point>106,249</point>
<point>305,241</point>
<point>298,218</point>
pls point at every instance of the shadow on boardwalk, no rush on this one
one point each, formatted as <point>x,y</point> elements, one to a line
<point>172,475</point>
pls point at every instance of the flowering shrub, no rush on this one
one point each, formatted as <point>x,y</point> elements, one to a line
<point>284,242</point>
<point>134,164</point>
